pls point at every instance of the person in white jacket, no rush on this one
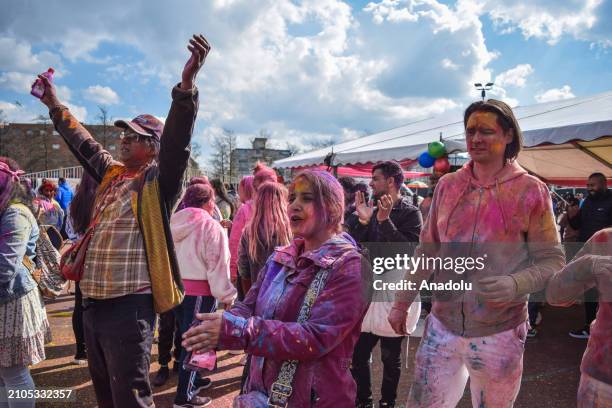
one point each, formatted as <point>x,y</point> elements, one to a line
<point>202,250</point>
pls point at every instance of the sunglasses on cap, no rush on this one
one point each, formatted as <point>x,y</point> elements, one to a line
<point>130,136</point>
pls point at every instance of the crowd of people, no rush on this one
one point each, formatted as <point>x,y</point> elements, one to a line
<point>282,272</point>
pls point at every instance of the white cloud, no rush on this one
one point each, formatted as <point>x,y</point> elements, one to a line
<point>546,19</point>
<point>103,95</point>
<point>516,76</point>
<point>306,70</point>
<point>17,56</point>
<point>448,64</point>
<point>389,10</point>
<point>555,94</point>
<point>16,81</point>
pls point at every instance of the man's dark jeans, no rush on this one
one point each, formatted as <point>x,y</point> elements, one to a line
<point>77,322</point>
<point>118,336</point>
<point>390,353</point>
<point>168,334</point>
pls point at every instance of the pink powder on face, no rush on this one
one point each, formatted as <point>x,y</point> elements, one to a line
<point>328,196</point>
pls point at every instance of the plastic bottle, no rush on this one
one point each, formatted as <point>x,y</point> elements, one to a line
<point>38,88</point>
<point>201,361</point>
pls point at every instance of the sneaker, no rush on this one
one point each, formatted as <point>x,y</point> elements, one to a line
<point>79,361</point>
<point>161,377</point>
<point>531,333</point>
<point>538,319</point>
<point>196,402</point>
<point>583,333</point>
<point>202,384</point>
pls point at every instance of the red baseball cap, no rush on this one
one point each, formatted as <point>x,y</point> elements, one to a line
<point>144,125</point>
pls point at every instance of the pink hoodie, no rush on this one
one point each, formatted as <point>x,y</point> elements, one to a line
<point>244,215</point>
<point>591,268</point>
<point>511,221</point>
<point>203,254</point>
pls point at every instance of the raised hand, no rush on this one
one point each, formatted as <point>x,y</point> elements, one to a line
<point>364,211</point>
<point>199,48</point>
<point>385,205</point>
<point>50,96</point>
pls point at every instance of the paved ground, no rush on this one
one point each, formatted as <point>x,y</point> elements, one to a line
<point>550,377</point>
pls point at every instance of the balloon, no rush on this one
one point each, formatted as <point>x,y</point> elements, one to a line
<point>442,165</point>
<point>436,149</point>
<point>425,160</point>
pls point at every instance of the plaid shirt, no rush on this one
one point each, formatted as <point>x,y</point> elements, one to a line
<point>116,263</point>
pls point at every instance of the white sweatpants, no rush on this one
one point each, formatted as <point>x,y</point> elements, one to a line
<point>444,361</point>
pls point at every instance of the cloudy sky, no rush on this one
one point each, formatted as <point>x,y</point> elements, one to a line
<point>307,71</point>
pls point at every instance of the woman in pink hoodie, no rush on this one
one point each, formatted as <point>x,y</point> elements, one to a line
<point>492,212</point>
<point>203,258</point>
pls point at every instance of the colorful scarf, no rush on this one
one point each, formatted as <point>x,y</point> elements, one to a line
<point>7,179</point>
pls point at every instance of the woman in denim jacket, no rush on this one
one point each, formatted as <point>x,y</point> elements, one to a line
<point>24,328</point>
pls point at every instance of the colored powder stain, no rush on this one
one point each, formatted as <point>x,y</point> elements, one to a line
<point>476,363</point>
<point>498,147</point>
<point>483,120</point>
<point>473,347</point>
<point>301,185</point>
<point>600,237</point>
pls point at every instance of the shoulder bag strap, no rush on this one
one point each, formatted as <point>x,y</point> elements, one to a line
<point>281,389</point>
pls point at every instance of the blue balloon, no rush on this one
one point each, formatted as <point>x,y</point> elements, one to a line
<point>425,160</point>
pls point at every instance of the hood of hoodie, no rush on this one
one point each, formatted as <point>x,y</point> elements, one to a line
<point>509,172</point>
<point>464,181</point>
<point>184,222</point>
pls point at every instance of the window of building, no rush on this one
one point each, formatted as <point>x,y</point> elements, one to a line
<point>112,147</point>
<point>55,146</point>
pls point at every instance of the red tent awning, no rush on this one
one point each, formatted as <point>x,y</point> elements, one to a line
<point>365,170</point>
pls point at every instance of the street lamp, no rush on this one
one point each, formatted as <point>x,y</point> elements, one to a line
<point>483,89</point>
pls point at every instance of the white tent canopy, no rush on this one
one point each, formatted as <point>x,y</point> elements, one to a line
<point>402,143</point>
<point>558,123</point>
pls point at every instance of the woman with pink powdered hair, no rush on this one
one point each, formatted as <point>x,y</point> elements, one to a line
<point>261,174</point>
<point>268,229</point>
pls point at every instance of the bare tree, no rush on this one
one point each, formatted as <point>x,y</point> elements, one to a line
<point>293,148</point>
<point>222,160</point>
<point>320,144</point>
<point>105,121</point>
<point>196,150</point>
